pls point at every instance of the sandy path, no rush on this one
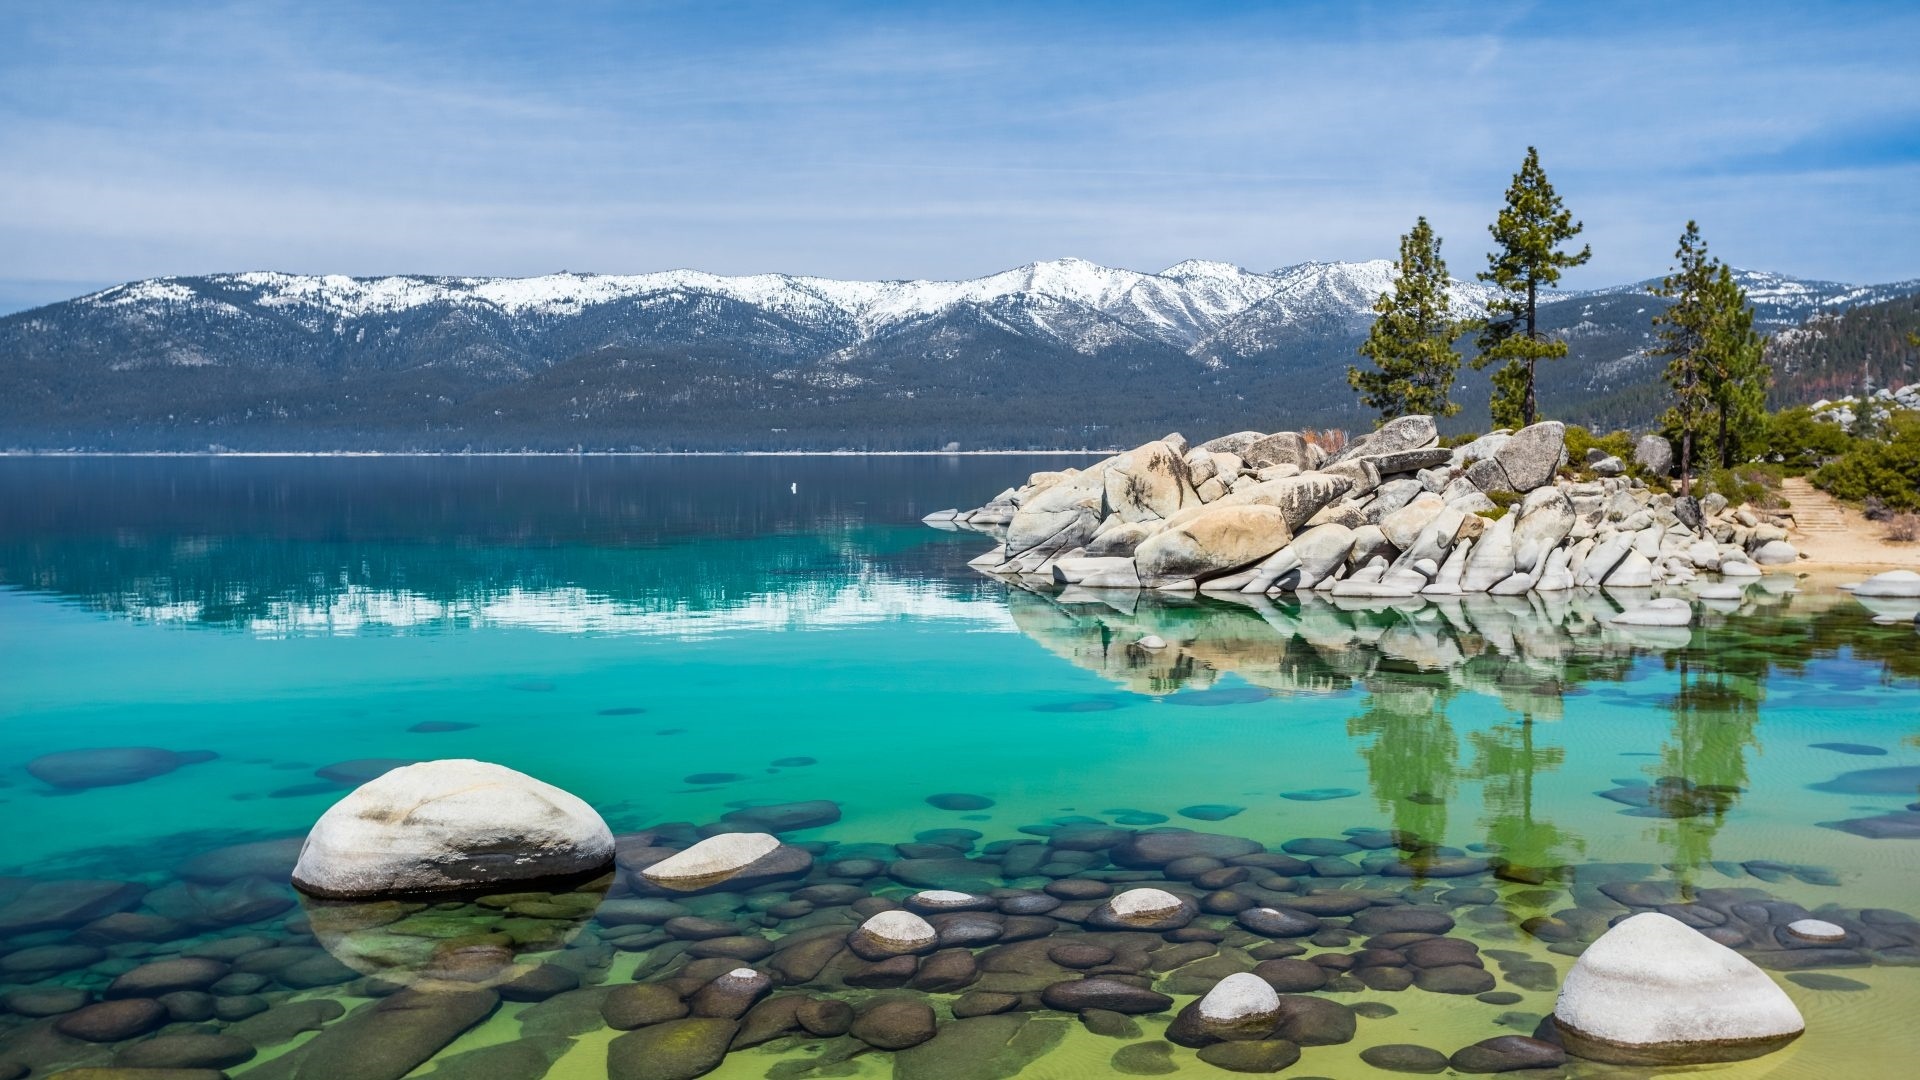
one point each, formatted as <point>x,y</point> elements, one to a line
<point>1829,534</point>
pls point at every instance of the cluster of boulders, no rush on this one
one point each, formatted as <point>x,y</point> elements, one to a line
<point>962,959</point>
<point>1880,405</point>
<point>1390,514</point>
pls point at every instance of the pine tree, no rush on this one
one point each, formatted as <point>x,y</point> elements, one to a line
<point>1736,373</point>
<point>1684,330</point>
<point>1411,343</point>
<point>1529,232</point>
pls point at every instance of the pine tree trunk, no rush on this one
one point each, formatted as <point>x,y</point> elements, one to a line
<point>1528,408</point>
<point>1686,463</point>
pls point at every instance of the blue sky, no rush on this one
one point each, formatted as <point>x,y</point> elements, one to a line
<point>892,140</point>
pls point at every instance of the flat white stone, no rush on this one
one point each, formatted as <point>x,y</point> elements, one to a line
<point>1152,641</point>
<point>1654,982</point>
<point>1720,590</point>
<point>1736,568</point>
<point>715,857</point>
<point>1816,930</point>
<point>944,898</point>
<point>1240,996</point>
<point>1143,904</point>
<point>900,929</point>
<point>1666,611</point>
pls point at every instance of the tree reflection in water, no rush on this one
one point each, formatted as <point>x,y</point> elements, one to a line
<point>1414,662</point>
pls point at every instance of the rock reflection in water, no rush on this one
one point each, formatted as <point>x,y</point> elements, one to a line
<point>482,940</point>
<point>1410,661</point>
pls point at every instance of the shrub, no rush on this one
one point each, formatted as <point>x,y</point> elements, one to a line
<point>1904,528</point>
<point>1889,471</point>
<point>1800,444</point>
<point>1580,440</point>
<point>1755,484</point>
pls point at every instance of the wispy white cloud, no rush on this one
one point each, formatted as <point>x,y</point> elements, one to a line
<point>864,141</point>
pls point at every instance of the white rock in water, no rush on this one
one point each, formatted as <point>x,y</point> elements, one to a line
<point>712,859</point>
<point>1816,930</point>
<point>1893,583</point>
<point>437,826</point>
<point>1152,641</point>
<point>1775,553</point>
<point>1666,611</point>
<point>1240,996</point>
<point>1721,590</point>
<point>1143,904</point>
<point>900,930</point>
<point>945,900</point>
<point>1736,568</point>
<point>1652,991</point>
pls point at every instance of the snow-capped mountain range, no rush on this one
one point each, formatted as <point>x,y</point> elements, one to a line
<point>776,341</point>
<point>1082,304</point>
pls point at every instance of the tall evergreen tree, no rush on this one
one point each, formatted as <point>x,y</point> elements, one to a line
<point>1529,232</point>
<point>1736,373</point>
<point>1411,343</point>
<point>1685,329</point>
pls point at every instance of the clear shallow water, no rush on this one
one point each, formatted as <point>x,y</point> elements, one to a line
<point>618,626</point>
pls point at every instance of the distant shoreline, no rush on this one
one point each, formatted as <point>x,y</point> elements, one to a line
<point>538,453</point>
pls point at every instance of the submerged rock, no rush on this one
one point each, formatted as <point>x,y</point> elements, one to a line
<point>109,766</point>
<point>1652,991</point>
<point>717,859</point>
<point>445,825</point>
<point>1240,1006</point>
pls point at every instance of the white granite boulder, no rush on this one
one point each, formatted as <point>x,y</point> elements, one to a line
<point>440,826</point>
<point>1149,483</point>
<point>1666,611</point>
<point>1241,1007</point>
<point>1143,909</point>
<point>893,933</point>
<point>1653,991</point>
<point>1534,454</point>
<point>1896,584</point>
<point>712,861</point>
<point>1061,516</point>
<point>1215,541</point>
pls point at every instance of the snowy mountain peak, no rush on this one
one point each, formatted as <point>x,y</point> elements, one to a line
<point>1212,310</point>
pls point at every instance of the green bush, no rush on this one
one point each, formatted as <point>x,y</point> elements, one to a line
<point>1756,484</point>
<point>1580,440</point>
<point>1888,471</point>
<point>1800,444</point>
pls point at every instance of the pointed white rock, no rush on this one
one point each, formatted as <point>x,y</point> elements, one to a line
<point>1653,991</point>
<point>1240,996</point>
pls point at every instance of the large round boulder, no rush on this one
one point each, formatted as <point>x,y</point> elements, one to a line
<point>1534,454</point>
<point>1218,540</point>
<point>441,826</point>
<point>1149,484</point>
<point>1654,991</point>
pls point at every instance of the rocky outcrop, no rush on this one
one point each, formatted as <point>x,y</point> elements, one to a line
<point>1391,514</point>
<point>440,826</point>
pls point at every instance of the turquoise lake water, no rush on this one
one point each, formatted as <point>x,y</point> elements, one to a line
<point>654,634</point>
